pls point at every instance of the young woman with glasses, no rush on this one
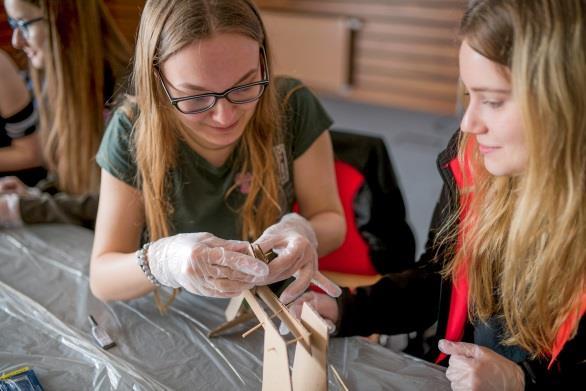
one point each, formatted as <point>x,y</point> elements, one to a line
<point>504,275</point>
<point>76,57</point>
<point>210,148</point>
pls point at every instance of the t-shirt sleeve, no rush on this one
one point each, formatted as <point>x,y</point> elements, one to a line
<point>115,154</point>
<point>22,123</point>
<point>306,118</point>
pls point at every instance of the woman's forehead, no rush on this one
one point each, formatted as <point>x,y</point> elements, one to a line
<point>213,62</point>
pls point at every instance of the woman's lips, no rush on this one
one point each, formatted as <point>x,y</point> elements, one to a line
<point>485,149</point>
<point>224,128</point>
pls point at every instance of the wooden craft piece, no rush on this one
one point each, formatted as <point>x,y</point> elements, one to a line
<point>234,307</point>
<point>309,366</point>
<point>275,360</point>
<point>239,319</point>
<point>311,339</point>
<point>235,313</point>
<point>339,378</point>
<point>294,325</point>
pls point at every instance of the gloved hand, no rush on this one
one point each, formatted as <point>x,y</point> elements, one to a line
<point>204,264</point>
<point>295,243</point>
<point>477,368</point>
<point>324,305</point>
<point>10,211</point>
<point>12,184</point>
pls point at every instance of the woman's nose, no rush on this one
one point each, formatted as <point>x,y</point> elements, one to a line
<point>224,113</point>
<point>18,41</point>
<point>471,121</point>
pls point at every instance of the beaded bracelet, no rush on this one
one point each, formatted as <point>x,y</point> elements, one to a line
<point>142,261</point>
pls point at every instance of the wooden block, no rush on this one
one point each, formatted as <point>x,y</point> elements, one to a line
<point>309,368</point>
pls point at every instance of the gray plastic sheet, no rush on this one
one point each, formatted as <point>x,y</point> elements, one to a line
<point>44,306</point>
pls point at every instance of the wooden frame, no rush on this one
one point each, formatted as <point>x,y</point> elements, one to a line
<point>310,332</point>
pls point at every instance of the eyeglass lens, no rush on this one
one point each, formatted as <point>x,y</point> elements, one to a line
<point>237,95</point>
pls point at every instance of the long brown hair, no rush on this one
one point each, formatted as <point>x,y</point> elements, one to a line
<point>81,38</point>
<point>524,236</point>
<point>166,27</point>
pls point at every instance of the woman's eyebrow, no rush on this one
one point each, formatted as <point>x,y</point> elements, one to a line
<point>193,87</point>
<point>486,89</point>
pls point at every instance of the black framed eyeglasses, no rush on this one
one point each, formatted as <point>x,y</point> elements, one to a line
<point>241,94</point>
<point>23,25</point>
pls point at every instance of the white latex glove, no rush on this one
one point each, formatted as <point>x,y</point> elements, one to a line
<point>324,305</point>
<point>12,184</point>
<point>10,211</point>
<point>295,243</point>
<point>204,264</point>
<point>478,368</point>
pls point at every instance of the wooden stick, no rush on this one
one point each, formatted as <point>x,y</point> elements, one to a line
<point>339,378</point>
<point>231,323</point>
<point>260,324</point>
<point>294,340</point>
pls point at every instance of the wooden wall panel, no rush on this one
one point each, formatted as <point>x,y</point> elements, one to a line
<point>318,53</point>
<point>405,53</point>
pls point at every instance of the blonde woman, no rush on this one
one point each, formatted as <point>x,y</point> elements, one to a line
<point>76,57</point>
<point>211,148</point>
<point>509,231</point>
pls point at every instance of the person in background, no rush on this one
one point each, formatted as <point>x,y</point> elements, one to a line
<point>20,153</point>
<point>77,56</point>
<point>210,148</point>
<point>504,274</point>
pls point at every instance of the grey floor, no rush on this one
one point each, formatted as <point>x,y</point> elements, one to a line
<point>414,139</point>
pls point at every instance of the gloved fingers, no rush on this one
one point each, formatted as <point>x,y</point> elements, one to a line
<point>224,285</point>
<point>282,267</point>
<point>238,262</point>
<point>295,309</point>
<point>212,292</point>
<point>331,326</point>
<point>312,300</point>
<point>206,288</point>
<point>293,222</point>
<point>327,285</point>
<point>271,242</point>
<point>12,184</point>
<point>10,211</point>
<point>297,287</point>
<point>459,348</point>
<point>213,272</point>
<point>296,306</point>
<point>458,368</point>
<point>283,329</point>
<point>238,246</point>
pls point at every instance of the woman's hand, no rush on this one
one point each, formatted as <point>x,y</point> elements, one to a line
<point>204,264</point>
<point>10,211</point>
<point>12,184</point>
<point>324,305</point>
<point>478,368</point>
<point>295,243</point>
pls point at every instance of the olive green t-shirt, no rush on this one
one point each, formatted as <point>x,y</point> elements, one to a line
<point>199,188</point>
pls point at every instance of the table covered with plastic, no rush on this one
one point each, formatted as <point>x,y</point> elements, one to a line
<point>44,306</point>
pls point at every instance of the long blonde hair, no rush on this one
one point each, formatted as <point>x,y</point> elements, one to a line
<point>166,27</point>
<point>81,39</point>
<point>524,237</point>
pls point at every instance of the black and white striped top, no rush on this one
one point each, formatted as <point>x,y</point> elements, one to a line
<point>18,125</point>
